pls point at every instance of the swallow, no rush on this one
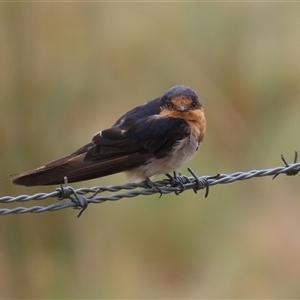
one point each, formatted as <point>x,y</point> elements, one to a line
<point>155,138</point>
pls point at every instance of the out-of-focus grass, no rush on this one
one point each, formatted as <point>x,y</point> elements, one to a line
<point>71,69</point>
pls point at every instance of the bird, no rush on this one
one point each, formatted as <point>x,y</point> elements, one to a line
<point>155,138</point>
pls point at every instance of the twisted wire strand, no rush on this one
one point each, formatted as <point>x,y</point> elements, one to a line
<point>182,183</point>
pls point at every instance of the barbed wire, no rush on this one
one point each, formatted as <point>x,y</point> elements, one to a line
<point>177,183</point>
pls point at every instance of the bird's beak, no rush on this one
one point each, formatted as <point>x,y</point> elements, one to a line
<point>182,108</point>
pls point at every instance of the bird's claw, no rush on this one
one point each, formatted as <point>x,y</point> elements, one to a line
<point>153,186</point>
<point>175,181</point>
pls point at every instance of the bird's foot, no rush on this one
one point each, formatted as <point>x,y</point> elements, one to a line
<point>153,186</point>
<point>176,181</point>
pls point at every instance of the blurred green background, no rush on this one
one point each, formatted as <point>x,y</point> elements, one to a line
<point>69,70</point>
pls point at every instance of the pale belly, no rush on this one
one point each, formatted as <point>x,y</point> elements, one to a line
<point>182,153</point>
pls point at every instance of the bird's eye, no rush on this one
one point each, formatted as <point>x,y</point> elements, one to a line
<point>168,105</point>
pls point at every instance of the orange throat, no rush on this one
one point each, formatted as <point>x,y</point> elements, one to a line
<point>195,118</point>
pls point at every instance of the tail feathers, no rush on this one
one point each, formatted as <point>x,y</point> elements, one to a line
<point>76,168</point>
<point>44,175</point>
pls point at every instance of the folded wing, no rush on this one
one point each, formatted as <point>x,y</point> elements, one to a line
<point>126,145</point>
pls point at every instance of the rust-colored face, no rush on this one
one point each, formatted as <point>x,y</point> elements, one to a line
<point>183,104</point>
<point>188,109</point>
<point>180,107</point>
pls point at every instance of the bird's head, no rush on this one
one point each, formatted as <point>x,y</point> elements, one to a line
<point>178,101</point>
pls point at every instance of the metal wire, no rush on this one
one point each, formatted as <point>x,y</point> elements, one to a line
<point>177,183</point>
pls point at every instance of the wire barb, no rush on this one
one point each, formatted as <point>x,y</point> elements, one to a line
<point>65,192</point>
<point>291,172</point>
<point>176,180</point>
<point>201,183</point>
<point>178,183</point>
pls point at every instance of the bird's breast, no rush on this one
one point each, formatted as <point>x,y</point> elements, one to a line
<point>197,122</point>
<point>181,153</point>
